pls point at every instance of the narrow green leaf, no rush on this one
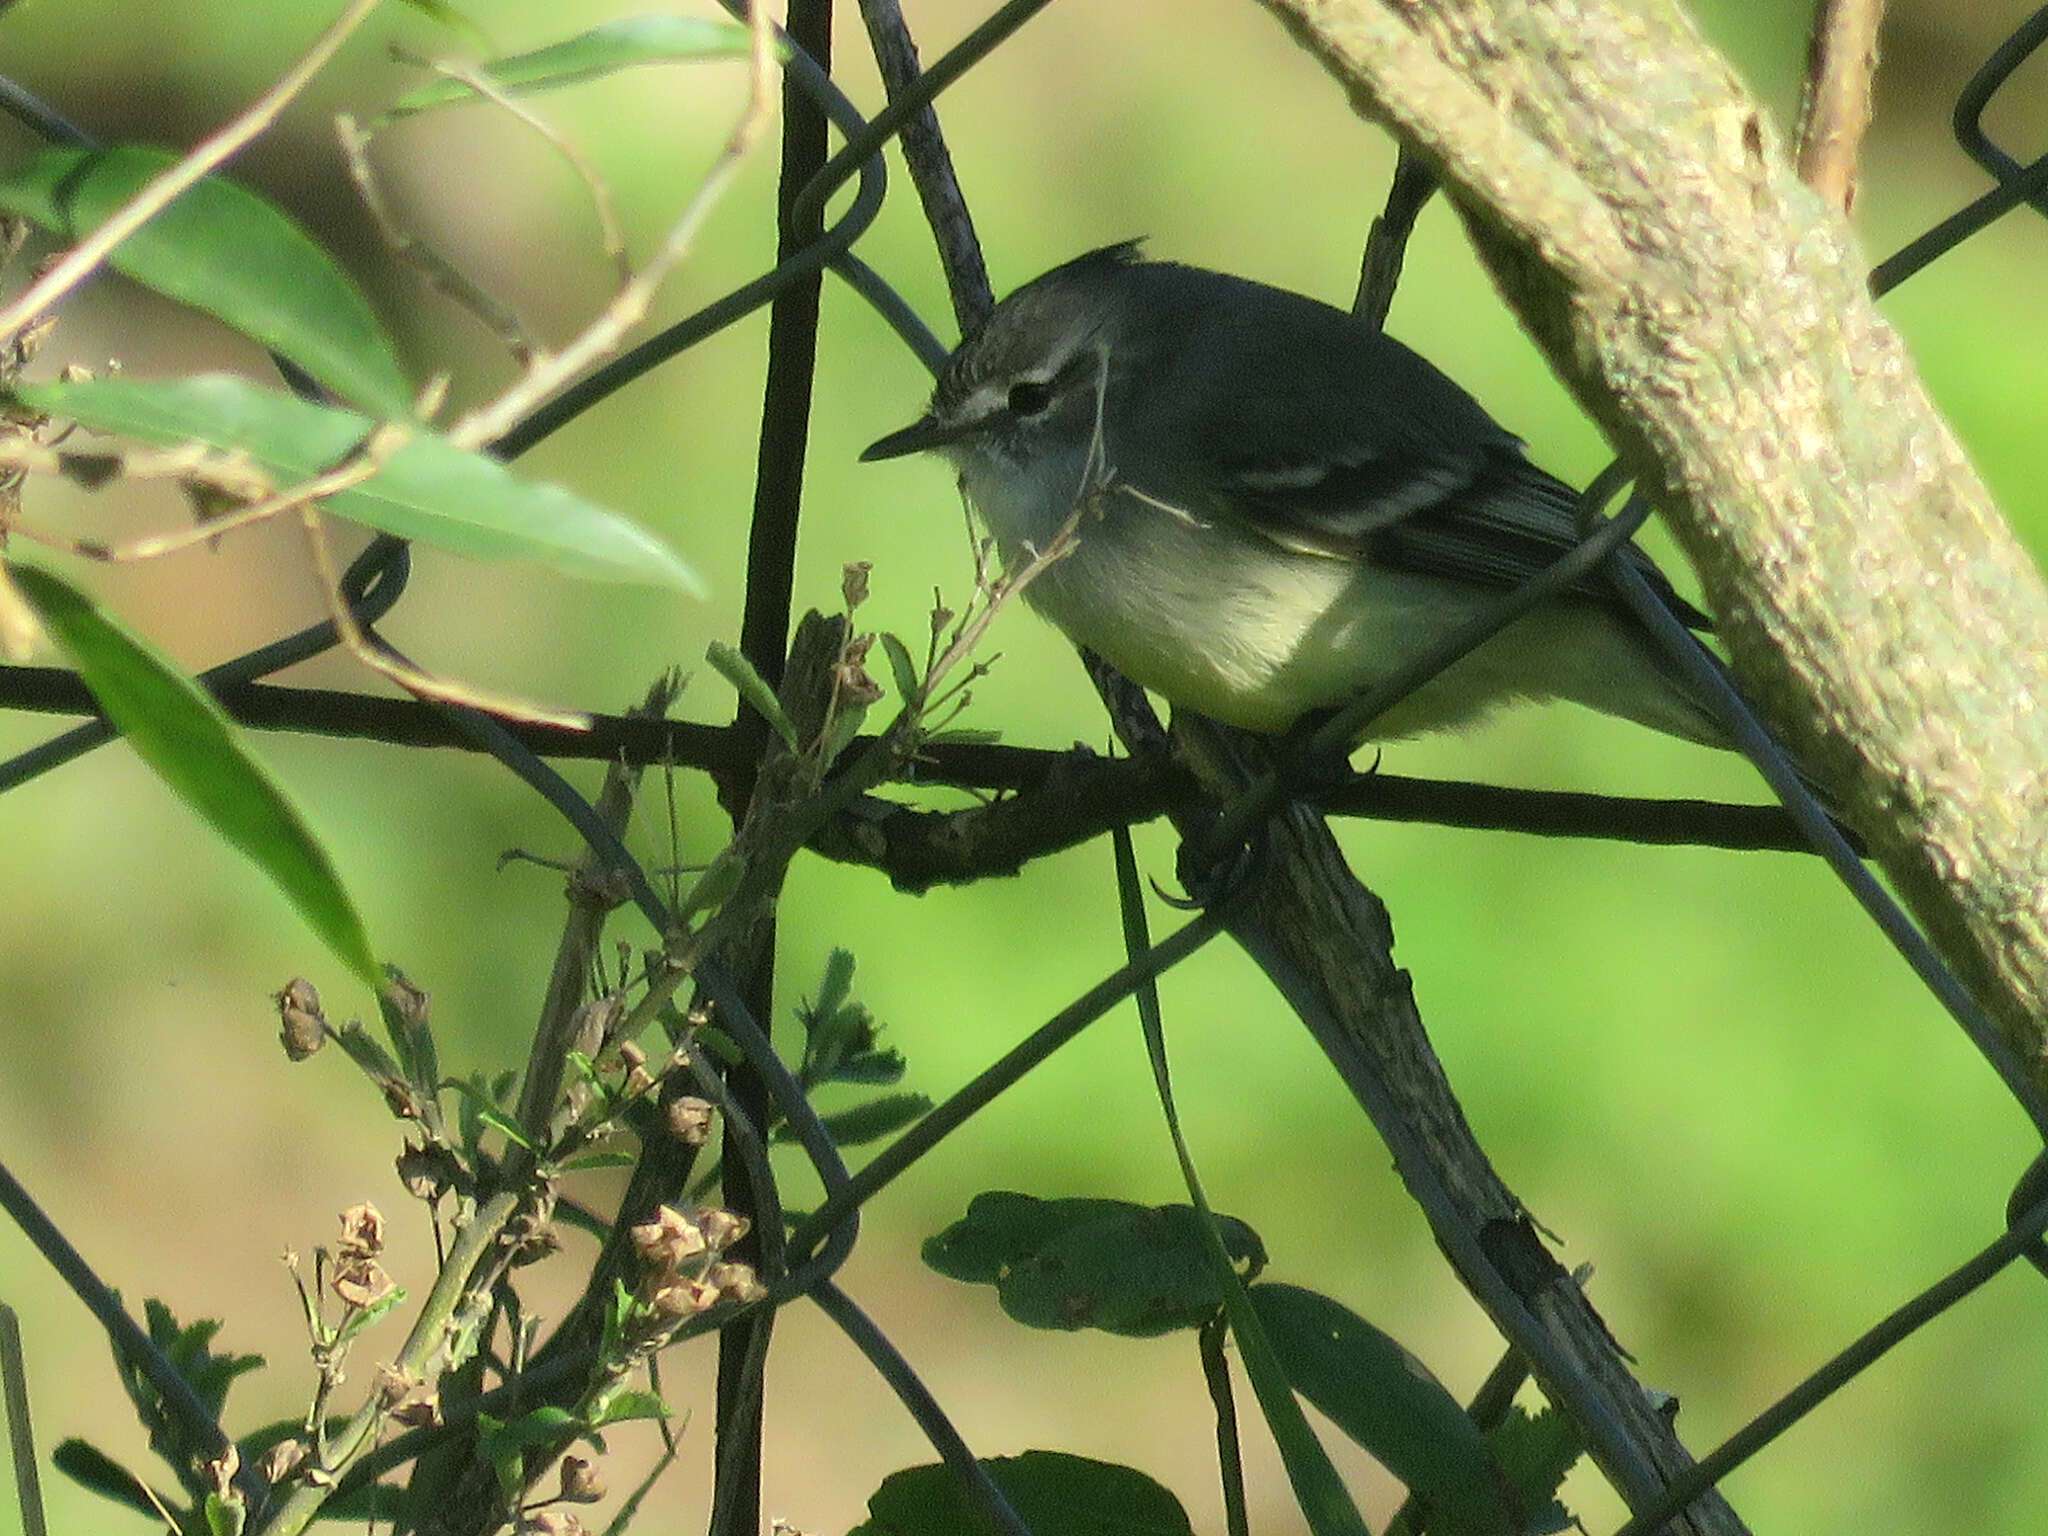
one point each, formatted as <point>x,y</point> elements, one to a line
<point>902,668</point>
<point>455,20</point>
<point>591,1160</point>
<point>603,50</point>
<point>428,489</point>
<point>1319,1493</point>
<point>753,687</point>
<point>875,1119</point>
<point>1386,1400</point>
<point>1053,1493</point>
<point>480,1110</point>
<point>223,249</point>
<point>92,1468</point>
<point>631,1405</point>
<point>177,729</point>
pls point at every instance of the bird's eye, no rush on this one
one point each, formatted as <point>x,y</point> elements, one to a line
<point>1028,397</point>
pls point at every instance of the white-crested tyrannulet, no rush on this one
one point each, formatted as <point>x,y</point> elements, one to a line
<point>1280,505</point>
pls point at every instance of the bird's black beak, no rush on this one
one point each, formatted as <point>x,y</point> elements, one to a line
<point>925,433</point>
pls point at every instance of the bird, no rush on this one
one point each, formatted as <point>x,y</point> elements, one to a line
<point>1274,505</point>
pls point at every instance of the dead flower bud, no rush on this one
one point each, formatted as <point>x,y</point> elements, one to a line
<point>221,1472</point>
<point>543,1242</point>
<point>631,1056</point>
<point>855,686</point>
<point>581,1482</point>
<point>407,1399</point>
<point>362,1231</point>
<point>409,1002</point>
<point>666,1241</point>
<point>681,1299</point>
<point>721,1228</point>
<point>361,1282</point>
<point>737,1283</point>
<point>639,1082</point>
<point>550,1522</point>
<point>853,582</point>
<point>302,1028</point>
<point>281,1460</point>
<point>428,1172</point>
<point>689,1120</point>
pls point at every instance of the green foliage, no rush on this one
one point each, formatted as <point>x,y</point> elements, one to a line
<point>177,729</point>
<point>592,55</point>
<point>223,249</point>
<point>1109,1264</point>
<point>1053,1493</point>
<point>425,487</point>
<point>1385,1399</point>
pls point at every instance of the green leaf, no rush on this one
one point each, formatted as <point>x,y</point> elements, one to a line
<point>456,21</point>
<point>1319,1493</point>
<point>481,1112</point>
<point>1536,1451</point>
<point>599,1160</point>
<point>93,1469</point>
<point>180,732</point>
<point>1386,1400</point>
<point>1109,1264</point>
<point>225,1516</point>
<point>875,1119</point>
<point>753,687</point>
<point>1053,1493</point>
<point>591,55</point>
<point>223,249</point>
<point>428,489</point>
<point>631,1405</point>
<point>902,668</point>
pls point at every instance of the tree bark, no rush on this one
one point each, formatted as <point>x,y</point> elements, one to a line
<point>1639,214</point>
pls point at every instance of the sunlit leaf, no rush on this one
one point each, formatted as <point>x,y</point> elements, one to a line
<point>428,489</point>
<point>180,732</point>
<point>1109,1264</point>
<point>223,249</point>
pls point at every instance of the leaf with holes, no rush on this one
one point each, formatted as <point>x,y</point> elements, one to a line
<point>1129,1269</point>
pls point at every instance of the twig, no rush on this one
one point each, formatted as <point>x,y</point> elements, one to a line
<point>440,272</point>
<point>931,166</point>
<point>1834,113</point>
<point>608,226</point>
<point>604,334</point>
<point>406,676</point>
<point>174,181</point>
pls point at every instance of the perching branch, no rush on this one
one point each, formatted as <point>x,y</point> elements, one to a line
<point>1640,214</point>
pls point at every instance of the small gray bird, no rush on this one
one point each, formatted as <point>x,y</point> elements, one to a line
<point>1280,506</point>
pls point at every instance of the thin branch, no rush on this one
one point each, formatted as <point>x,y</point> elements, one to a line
<point>166,187</point>
<point>603,335</point>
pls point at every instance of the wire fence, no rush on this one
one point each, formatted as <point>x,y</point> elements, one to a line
<point>1050,803</point>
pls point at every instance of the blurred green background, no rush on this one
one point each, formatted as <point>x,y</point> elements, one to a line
<point>1702,1070</point>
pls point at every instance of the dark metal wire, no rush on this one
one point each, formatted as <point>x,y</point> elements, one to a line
<point>377,580</point>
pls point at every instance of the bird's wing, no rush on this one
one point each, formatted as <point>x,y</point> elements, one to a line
<point>1411,472</point>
